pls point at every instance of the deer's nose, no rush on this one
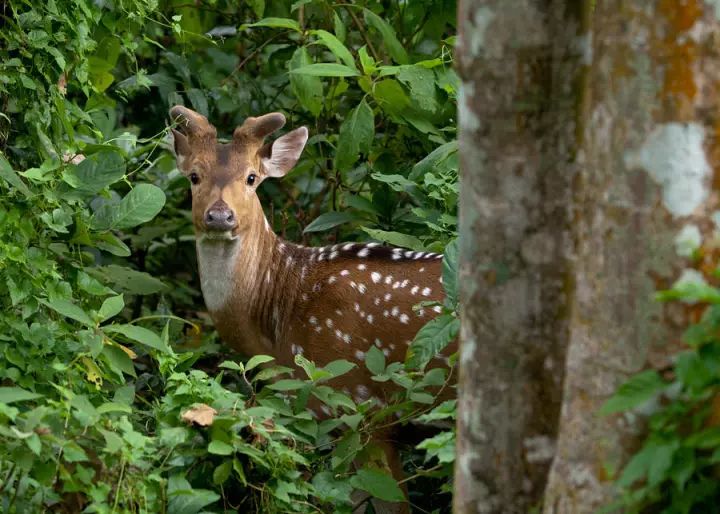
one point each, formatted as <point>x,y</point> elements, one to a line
<point>220,217</point>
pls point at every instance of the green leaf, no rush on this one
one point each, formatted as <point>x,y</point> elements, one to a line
<point>379,484</point>
<point>139,334</point>
<point>636,391</point>
<point>222,472</point>
<point>275,23</point>
<point>69,310</point>
<point>198,101</point>
<point>307,88</point>
<point>140,205</point>
<point>111,307</point>
<point>336,47</point>
<point>449,272</point>
<point>442,158</point>
<point>326,69</point>
<point>396,239</point>
<point>329,220</point>
<point>129,280</point>
<point>339,367</point>
<point>356,136</point>
<point>256,360</point>
<point>96,172</point>
<point>421,82</point>
<point>16,394</point>
<point>339,26</point>
<point>288,384</point>
<point>367,62</point>
<point>375,361</point>
<point>9,176</point>
<point>118,361</point>
<point>331,489</point>
<point>431,339</point>
<point>183,499</point>
<point>394,47</point>
<point>220,448</point>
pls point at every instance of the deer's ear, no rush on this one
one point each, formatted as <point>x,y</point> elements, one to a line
<point>181,147</point>
<point>280,156</point>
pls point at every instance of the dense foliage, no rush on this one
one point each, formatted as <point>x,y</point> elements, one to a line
<point>675,471</point>
<point>116,394</point>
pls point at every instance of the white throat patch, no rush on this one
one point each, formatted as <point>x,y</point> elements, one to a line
<point>216,263</point>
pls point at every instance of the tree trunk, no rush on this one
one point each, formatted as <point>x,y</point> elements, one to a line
<point>588,142</point>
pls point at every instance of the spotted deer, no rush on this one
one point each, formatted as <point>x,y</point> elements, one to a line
<point>269,296</point>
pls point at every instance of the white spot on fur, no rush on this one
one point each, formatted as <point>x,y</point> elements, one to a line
<point>409,254</point>
<point>359,355</point>
<point>387,297</point>
<point>344,273</point>
<point>421,270</point>
<point>414,289</point>
<point>338,312</point>
<point>419,255</point>
<point>338,334</point>
<point>348,246</point>
<point>378,343</point>
<point>388,279</point>
<point>362,288</point>
<point>331,279</point>
<point>395,311</point>
<point>376,277</point>
<point>362,391</point>
<point>333,255</point>
<point>363,252</point>
<point>386,313</point>
<point>404,283</point>
<point>362,267</point>
<point>357,307</point>
<point>386,352</point>
<point>404,318</point>
<point>376,301</point>
<point>426,291</point>
<point>396,285</point>
<point>346,338</point>
<point>396,256</point>
<point>316,287</point>
<point>329,323</point>
<point>313,320</point>
<point>437,309</point>
<point>304,297</point>
<point>370,318</point>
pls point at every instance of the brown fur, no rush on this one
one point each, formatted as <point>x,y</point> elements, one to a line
<point>269,296</point>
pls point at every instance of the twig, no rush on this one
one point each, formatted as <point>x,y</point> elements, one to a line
<point>251,55</point>
<point>362,31</point>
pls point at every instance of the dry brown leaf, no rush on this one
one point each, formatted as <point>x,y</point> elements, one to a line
<point>202,415</point>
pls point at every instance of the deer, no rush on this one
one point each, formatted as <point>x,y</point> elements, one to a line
<point>266,295</point>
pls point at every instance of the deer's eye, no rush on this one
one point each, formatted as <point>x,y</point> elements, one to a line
<point>194,178</point>
<point>251,179</point>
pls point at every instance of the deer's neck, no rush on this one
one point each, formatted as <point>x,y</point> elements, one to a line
<point>250,283</point>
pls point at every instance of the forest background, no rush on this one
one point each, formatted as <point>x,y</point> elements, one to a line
<point>104,339</point>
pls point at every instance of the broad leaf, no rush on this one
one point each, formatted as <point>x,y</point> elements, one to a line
<point>9,176</point>
<point>636,391</point>
<point>96,172</point>
<point>329,220</point>
<point>140,205</point>
<point>431,340</point>
<point>325,69</point>
<point>69,310</point>
<point>450,271</point>
<point>256,360</point>
<point>16,394</point>
<point>396,239</point>
<point>128,280</point>
<point>139,334</point>
<point>336,47</point>
<point>394,47</point>
<point>375,361</point>
<point>276,23</point>
<point>111,307</point>
<point>307,88</point>
<point>379,484</point>
<point>356,135</point>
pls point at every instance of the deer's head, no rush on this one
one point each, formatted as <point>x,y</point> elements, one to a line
<point>225,177</point>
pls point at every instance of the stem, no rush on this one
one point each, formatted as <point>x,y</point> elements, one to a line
<point>117,489</point>
<point>362,31</point>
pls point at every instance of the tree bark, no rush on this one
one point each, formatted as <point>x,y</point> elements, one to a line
<point>520,67</point>
<point>588,140</point>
